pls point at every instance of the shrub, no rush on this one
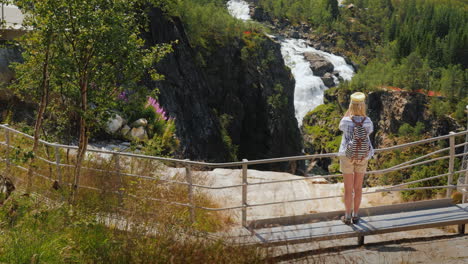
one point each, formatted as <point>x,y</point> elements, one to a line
<point>405,130</point>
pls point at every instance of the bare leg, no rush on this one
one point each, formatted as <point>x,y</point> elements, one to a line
<point>348,187</point>
<point>358,179</point>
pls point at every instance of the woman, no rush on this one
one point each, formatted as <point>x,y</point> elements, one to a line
<point>354,168</point>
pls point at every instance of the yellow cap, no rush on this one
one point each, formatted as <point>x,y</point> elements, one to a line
<point>358,97</point>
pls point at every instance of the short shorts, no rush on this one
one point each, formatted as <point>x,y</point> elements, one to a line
<point>348,167</point>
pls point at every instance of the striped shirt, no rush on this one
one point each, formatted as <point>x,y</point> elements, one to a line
<point>347,126</point>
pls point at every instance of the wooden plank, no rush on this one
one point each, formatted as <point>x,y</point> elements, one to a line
<point>371,225</point>
<point>335,215</point>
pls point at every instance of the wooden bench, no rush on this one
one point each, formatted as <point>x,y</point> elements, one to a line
<point>374,220</point>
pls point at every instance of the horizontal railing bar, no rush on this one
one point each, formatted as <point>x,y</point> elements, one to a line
<point>419,142</point>
<point>46,160</point>
<point>421,180</point>
<point>216,187</point>
<point>299,179</point>
<point>338,196</point>
<point>419,188</point>
<point>407,166</point>
<point>35,173</point>
<point>419,158</point>
<point>461,145</point>
<point>239,163</point>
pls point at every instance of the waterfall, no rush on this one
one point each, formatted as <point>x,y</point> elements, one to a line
<point>239,9</point>
<point>309,88</point>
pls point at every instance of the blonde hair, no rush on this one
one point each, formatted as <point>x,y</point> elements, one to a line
<point>356,109</point>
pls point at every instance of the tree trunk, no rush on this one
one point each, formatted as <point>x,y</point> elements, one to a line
<point>40,115</point>
<point>83,141</point>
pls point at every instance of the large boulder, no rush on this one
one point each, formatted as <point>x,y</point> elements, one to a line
<point>318,64</point>
<point>139,133</point>
<point>125,130</point>
<point>328,80</point>
<point>114,124</point>
<point>142,122</point>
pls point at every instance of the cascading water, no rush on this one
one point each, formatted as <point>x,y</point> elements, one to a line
<point>309,88</point>
<point>239,9</point>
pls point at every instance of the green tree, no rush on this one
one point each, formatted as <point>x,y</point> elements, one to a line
<point>97,52</point>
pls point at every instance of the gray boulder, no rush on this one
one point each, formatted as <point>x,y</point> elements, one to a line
<point>318,64</point>
<point>139,133</point>
<point>328,80</point>
<point>114,124</point>
<point>140,123</point>
<point>125,130</point>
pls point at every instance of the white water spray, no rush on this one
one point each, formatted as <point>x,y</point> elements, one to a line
<point>239,9</point>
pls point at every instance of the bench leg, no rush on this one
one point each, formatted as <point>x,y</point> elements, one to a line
<point>360,240</point>
<point>461,229</point>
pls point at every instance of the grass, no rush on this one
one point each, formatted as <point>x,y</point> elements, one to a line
<point>115,219</point>
<point>37,231</point>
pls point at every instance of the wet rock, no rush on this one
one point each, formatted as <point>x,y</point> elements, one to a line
<point>328,80</point>
<point>318,64</point>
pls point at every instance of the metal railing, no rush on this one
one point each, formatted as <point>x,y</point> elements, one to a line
<point>244,164</point>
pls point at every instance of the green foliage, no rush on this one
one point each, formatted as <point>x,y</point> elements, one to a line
<point>325,137</point>
<point>233,149</point>
<point>36,231</point>
<point>317,12</point>
<point>161,131</point>
<point>405,130</point>
<point>422,172</point>
<point>278,100</point>
<point>208,22</point>
<point>95,53</point>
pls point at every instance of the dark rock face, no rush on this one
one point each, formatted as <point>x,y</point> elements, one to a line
<point>328,80</point>
<point>390,110</point>
<point>318,64</point>
<point>243,91</point>
<point>7,56</point>
<point>184,92</point>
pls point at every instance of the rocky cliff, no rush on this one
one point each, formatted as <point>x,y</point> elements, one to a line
<point>238,104</point>
<point>389,110</point>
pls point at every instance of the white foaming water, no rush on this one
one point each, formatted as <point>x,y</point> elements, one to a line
<point>239,9</point>
<point>309,89</point>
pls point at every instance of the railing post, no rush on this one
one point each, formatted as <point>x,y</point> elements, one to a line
<point>244,193</point>
<point>7,141</point>
<point>188,178</point>
<point>117,169</point>
<point>57,163</point>
<point>451,163</point>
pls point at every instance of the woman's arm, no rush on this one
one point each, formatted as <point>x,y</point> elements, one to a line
<point>343,126</point>
<point>369,126</point>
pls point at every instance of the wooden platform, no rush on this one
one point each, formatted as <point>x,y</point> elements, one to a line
<point>377,220</point>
